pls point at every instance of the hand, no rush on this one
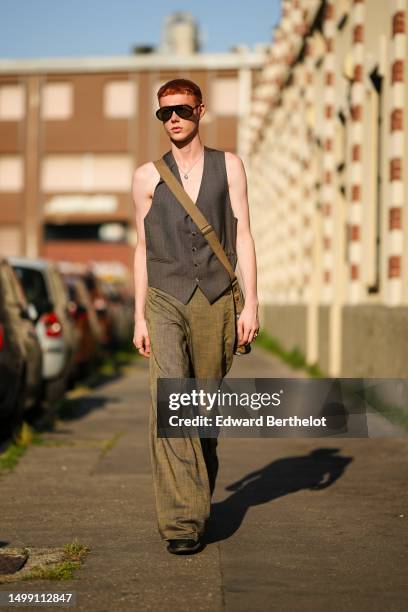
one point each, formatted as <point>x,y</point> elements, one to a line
<point>248,324</point>
<point>141,338</point>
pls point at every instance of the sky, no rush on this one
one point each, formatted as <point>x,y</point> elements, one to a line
<point>73,28</point>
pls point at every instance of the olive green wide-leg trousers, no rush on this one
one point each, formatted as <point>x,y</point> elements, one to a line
<point>193,340</point>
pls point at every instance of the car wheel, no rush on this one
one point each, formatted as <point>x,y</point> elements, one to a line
<point>10,424</point>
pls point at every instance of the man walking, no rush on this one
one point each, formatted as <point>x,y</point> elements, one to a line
<point>184,315</point>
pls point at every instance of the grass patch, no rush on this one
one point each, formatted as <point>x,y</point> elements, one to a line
<point>395,414</point>
<point>75,551</point>
<point>109,444</point>
<point>78,391</point>
<point>294,358</point>
<point>21,441</point>
<point>73,555</point>
<point>10,457</point>
<point>109,368</point>
<point>59,571</point>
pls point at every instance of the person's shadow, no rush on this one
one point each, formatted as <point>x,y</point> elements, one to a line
<point>316,471</point>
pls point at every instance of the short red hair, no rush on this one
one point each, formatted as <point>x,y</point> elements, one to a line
<point>180,86</point>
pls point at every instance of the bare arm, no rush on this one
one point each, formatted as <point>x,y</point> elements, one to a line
<point>248,323</point>
<point>144,180</point>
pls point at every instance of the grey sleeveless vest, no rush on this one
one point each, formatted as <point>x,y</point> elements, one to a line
<point>178,257</point>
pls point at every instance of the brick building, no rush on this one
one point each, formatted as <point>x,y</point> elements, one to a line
<point>73,130</point>
<point>327,156</point>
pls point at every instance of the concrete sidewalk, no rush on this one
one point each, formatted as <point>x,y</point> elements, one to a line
<point>275,542</point>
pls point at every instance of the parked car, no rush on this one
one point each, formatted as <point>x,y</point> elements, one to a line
<point>105,315</point>
<point>86,320</point>
<point>12,391</point>
<point>21,385</point>
<point>55,327</point>
<point>121,308</point>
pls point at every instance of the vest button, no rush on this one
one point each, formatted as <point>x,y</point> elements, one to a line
<point>194,249</point>
<point>197,279</point>
<point>194,233</point>
<point>196,265</point>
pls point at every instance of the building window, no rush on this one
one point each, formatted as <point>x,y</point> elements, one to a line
<point>224,96</point>
<point>100,232</point>
<point>11,173</point>
<point>81,204</point>
<point>12,103</point>
<point>120,100</point>
<point>87,173</point>
<point>57,101</point>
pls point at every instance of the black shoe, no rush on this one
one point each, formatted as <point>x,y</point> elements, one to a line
<point>183,546</point>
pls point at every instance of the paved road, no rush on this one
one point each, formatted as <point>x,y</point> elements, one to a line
<point>276,542</point>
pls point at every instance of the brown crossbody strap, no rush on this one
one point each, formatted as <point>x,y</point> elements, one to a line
<point>195,213</point>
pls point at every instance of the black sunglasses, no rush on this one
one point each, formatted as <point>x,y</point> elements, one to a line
<point>182,110</point>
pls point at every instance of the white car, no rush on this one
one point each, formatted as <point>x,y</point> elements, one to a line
<point>55,327</point>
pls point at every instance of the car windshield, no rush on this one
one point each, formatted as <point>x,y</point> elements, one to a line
<point>34,287</point>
